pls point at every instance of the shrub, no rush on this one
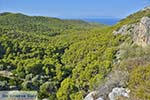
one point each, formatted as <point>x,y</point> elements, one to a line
<point>48,89</point>
<point>139,82</point>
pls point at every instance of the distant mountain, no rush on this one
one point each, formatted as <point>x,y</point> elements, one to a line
<point>43,25</point>
<point>107,21</point>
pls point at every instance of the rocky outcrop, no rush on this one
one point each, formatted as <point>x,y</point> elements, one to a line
<point>146,8</point>
<point>116,92</point>
<point>125,29</point>
<point>140,31</point>
<point>114,79</point>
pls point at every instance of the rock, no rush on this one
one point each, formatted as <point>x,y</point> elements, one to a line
<point>91,96</point>
<point>146,8</point>
<point>118,92</point>
<point>100,98</point>
<point>140,31</point>
<point>45,99</point>
<point>114,79</point>
<point>125,29</point>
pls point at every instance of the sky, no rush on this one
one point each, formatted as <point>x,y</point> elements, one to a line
<point>74,8</point>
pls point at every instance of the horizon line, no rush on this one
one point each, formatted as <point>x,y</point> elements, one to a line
<point>63,17</point>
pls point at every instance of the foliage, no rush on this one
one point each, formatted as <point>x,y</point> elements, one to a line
<point>61,59</point>
<point>139,82</point>
<point>133,18</point>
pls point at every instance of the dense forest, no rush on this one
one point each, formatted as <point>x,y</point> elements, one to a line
<point>63,59</point>
<point>58,58</point>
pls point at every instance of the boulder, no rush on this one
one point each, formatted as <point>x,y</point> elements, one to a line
<point>116,92</point>
<point>91,96</point>
<point>45,99</point>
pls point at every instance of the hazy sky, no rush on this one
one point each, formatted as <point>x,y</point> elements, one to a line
<point>74,8</point>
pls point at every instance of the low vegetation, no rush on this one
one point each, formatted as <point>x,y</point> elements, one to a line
<point>66,59</point>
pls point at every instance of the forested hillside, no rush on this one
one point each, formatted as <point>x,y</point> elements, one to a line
<point>62,59</point>
<point>67,59</point>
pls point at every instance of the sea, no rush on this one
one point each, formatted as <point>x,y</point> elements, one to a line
<point>106,21</point>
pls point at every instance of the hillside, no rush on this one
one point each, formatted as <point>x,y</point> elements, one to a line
<point>41,25</point>
<point>68,59</point>
<point>41,62</point>
<point>129,78</point>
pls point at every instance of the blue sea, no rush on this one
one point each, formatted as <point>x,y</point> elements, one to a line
<point>107,21</point>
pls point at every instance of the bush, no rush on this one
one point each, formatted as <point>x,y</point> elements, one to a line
<point>139,82</point>
<point>48,90</point>
<point>2,67</point>
<point>3,85</point>
<point>28,85</point>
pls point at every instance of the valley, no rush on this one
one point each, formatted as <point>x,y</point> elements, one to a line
<point>75,59</point>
